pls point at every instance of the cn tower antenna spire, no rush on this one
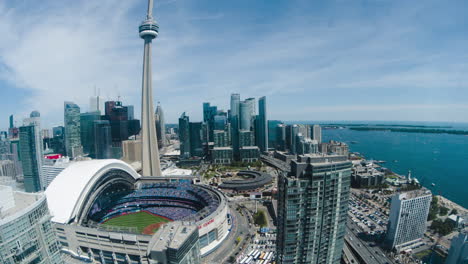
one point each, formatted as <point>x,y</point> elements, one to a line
<point>149,14</point>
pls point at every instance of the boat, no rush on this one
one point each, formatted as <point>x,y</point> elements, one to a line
<point>433,184</point>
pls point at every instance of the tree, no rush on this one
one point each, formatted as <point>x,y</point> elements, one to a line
<point>260,218</point>
<point>434,209</point>
<point>454,212</point>
<point>442,227</point>
<point>443,210</point>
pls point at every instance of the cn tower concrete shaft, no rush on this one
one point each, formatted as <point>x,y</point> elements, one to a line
<point>150,153</point>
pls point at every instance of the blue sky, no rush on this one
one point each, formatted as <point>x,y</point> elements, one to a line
<point>314,60</point>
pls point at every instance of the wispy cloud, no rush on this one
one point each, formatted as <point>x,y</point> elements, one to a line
<point>308,58</point>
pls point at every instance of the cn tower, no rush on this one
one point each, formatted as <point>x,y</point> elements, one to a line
<point>149,143</point>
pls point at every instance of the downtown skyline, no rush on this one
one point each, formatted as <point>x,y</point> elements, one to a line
<point>338,61</point>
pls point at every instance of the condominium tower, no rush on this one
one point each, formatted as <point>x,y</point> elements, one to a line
<point>312,207</point>
<point>72,130</point>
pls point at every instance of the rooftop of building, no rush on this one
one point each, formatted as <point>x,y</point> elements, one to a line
<point>415,194</point>
<point>222,148</point>
<point>321,158</point>
<point>364,171</point>
<point>75,182</point>
<point>172,235</point>
<point>13,202</point>
<point>249,147</point>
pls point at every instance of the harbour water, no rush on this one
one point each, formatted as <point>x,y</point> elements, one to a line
<point>441,159</point>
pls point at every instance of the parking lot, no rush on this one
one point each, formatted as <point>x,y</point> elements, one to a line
<point>372,220</point>
<point>261,250</point>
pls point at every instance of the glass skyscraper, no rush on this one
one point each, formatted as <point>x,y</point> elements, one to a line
<point>31,156</point>
<point>245,114</point>
<point>262,134</point>
<point>31,152</point>
<point>87,130</point>
<point>72,130</point>
<point>312,210</point>
<point>234,120</point>
<point>196,139</point>
<point>184,136</point>
<point>102,140</point>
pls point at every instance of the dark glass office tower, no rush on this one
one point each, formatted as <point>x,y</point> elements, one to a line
<point>196,139</point>
<point>30,158</point>
<point>87,130</point>
<point>102,139</point>
<point>184,136</point>
<point>234,120</point>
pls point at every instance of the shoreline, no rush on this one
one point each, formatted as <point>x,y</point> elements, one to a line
<point>452,205</point>
<point>442,200</point>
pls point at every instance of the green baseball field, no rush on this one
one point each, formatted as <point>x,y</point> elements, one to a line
<point>145,222</point>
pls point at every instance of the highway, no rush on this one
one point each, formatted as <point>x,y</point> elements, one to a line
<point>275,163</point>
<point>348,256</point>
<point>368,254</point>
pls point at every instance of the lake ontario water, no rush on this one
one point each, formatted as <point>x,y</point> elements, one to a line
<point>441,159</point>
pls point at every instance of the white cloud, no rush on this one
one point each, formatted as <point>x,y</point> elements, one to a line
<point>299,63</point>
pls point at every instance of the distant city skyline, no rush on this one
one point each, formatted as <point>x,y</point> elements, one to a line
<point>385,60</point>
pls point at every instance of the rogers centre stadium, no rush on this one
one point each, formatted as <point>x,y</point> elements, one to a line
<point>104,209</point>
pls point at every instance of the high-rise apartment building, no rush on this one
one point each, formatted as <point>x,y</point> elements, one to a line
<point>408,216</point>
<point>246,138</point>
<point>317,133</point>
<point>221,138</point>
<point>305,145</point>
<point>72,130</point>
<point>26,232</point>
<point>312,210</point>
<point>52,168</point>
<point>160,126</point>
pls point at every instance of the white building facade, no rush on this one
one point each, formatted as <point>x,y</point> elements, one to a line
<point>408,217</point>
